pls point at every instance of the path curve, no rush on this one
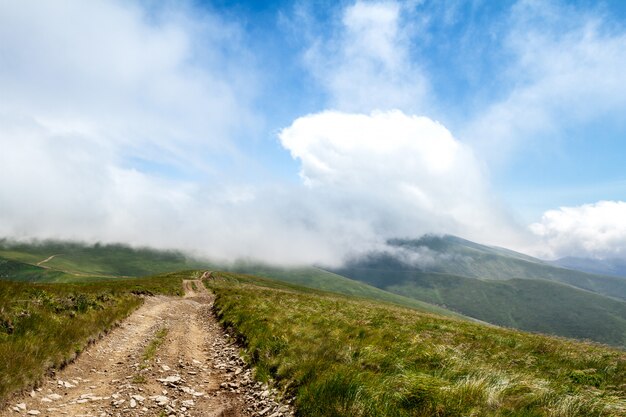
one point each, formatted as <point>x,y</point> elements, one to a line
<point>195,371</point>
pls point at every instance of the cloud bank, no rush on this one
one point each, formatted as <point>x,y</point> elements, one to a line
<point>591,230</point>
<point>400,175</point>
<point>132,122</point>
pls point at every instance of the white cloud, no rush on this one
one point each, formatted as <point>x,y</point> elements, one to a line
<point>101,101</point>
<point>397,175</point>
<point>367,64</point>
<point>591,230</point>
<point>565,68</point>
<point>148,84</point>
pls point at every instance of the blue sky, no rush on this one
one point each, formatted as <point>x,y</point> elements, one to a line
<point>305,131</point>
<point>461,46</point>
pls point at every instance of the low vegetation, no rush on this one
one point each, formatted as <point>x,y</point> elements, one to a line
<point>154,344</point>
<point>319,279</point>
<point>112,260</point>
<point>342,356</point>
<point>43,326</point>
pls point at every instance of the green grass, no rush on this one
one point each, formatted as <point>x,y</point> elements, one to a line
<point>319,279</point>
<point>460,257</point>
<point>19,271</point>
<point>43,326</point>
<point>341,356</point>
<point>533,305</point>
<point>76,262</point>
<point>153,346</point>
<point>98,260</point>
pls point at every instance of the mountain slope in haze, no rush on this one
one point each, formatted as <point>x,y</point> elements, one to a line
<point>420,269</point>
<point>98,259</point>
<point>456,256</point>
<point>54,261</point>
<point>613,266</point>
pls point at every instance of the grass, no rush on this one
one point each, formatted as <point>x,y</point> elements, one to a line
<point>44,326</point>
<point>341,356</point>
<point>327,281</point>
<point>111,260</point>
<point>75,262</point>
<point>154,344</point>
<point>532,305</point>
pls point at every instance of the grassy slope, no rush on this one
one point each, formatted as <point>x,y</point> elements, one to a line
<point>103,262</point>
<point>347,357</point>
<point>45,325</point>
<point>464,258</point>
<point>327,281</point>
<point>533,305</point>
<point>99,260</point>
<point>615,267</point>
<point>19,271</point>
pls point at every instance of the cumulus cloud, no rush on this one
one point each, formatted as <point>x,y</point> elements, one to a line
<point>591,230</point>
<point>367,64</point>
<point>117,123</point>
<point>400,175</point>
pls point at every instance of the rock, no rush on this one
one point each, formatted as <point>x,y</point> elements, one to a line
<point>161,400</point>
<point>138,398</point>
<point>33,413</point>
<point>133,403</point>
<point>55,397</point>
<point>118,402</point>
<point>21,406</point>
<point>170,379</point>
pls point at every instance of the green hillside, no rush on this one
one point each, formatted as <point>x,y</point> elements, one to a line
<point>533,305</point>
<point>456,256</point>
<point>340,356</point>
<point>327,281</point>
<point>98,259</point>
<point>498,286</point>
<point>612,266</point>
<point>75,262</point>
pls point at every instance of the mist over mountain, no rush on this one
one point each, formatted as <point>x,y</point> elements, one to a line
<point>498,286</point>
<point>611,266</point>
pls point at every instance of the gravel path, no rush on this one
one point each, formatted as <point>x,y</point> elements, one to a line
<point>194,369</point>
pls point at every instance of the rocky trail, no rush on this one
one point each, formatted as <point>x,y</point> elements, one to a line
<point>169,358</point>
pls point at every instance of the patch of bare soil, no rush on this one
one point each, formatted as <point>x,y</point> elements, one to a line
<point>194,369</point>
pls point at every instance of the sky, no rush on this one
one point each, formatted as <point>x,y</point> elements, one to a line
<point>301,132</point>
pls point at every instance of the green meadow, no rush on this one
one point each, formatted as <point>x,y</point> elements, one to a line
<point>340,356</point>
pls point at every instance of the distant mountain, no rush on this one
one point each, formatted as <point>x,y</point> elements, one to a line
<point>55,261</point>
<point>456,256</point>
<point>615,267</point>
<point>498,286</point>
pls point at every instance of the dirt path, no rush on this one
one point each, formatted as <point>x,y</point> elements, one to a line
<point>192,369</point>
<point>49,258</point>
